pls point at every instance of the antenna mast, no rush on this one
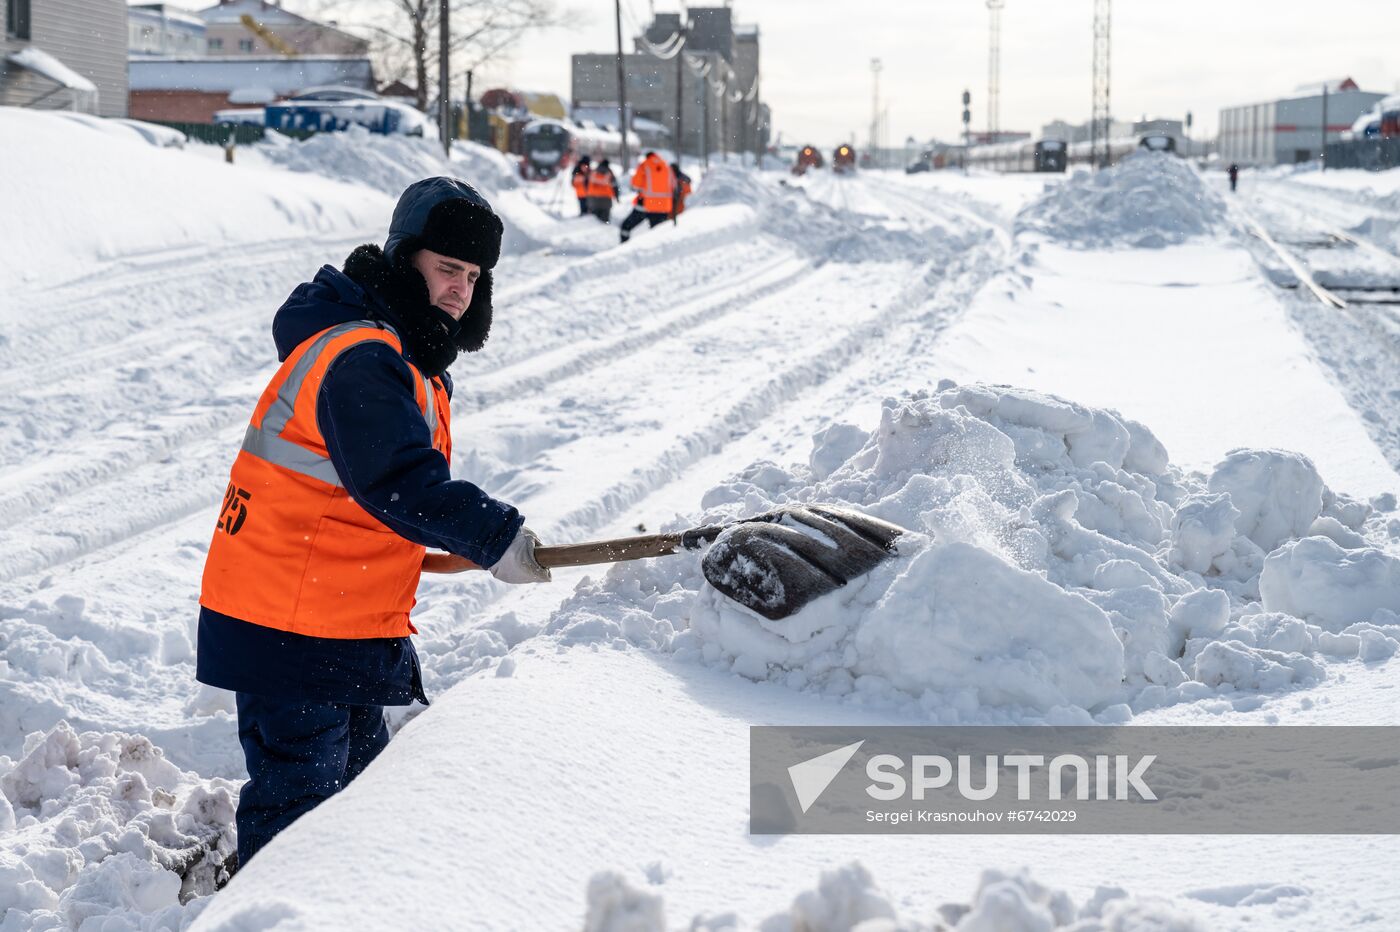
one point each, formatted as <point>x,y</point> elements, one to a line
<point>994,70</point>
<point>1100,124</point>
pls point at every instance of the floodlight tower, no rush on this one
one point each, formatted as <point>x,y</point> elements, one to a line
<point>1099,125</point>
<point>994,7</point>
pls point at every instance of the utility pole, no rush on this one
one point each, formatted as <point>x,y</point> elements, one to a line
<point>621,89</point>
<point>967,127</point>
<point>1324,126</point>
<point>994,7</point>
<point>1101,122</point>
<point>444,79</point>
<point>875,67</point>
<point>680,84</point>
<point>705,119</point>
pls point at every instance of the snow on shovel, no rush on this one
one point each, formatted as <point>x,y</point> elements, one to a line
<point>773,563</point>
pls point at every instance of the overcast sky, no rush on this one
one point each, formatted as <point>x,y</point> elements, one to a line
<point>1169,56</point>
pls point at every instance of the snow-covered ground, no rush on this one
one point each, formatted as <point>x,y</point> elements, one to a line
<point>1110,435</point>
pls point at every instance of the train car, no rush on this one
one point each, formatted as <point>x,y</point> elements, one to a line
<point>1158,142</point>
<point>843,160</point>
<point>807,157</point>
<point>1081,153</point>
<point>548,147</point>
<point>1025,155</point>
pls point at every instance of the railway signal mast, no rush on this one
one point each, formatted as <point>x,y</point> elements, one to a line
<point>1099,124</point>
<point>994,70</point>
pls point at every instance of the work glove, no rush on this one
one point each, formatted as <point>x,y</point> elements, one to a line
<point>518,564</point>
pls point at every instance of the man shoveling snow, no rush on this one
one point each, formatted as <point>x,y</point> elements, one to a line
<point>342,483</point>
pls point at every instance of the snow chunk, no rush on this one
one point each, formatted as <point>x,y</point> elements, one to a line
<point>1278,494</point>
<point>1148,200</point>
<point>1334,587</point>
<point>1013,636</point>
<point>615,904</point>
<point>844,898</point>
<point>110,832</point>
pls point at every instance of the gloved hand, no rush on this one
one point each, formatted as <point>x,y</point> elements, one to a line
<point>517,564</point>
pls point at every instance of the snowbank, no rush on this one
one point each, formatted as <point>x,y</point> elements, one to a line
<point>391,163</point>
<point>1057,568</point>
<point>128,201</point>
<point>849,900</point>
<point>1147,200</point>
<point>388,163</point>
<point>101,826</point>
<point>826,233</point>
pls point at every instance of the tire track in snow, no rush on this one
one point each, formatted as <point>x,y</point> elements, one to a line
<point>93,510</point>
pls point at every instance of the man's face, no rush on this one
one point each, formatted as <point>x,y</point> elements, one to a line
<point>450,281</point>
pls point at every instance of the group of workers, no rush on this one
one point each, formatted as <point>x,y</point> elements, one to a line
<point>661,191</point>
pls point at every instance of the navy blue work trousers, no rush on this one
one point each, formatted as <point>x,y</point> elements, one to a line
<point>299,752</point>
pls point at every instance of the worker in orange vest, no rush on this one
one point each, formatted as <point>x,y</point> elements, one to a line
<point>602,191</point>
<point>342,483</point>
<point>654,186</point>
<point>682,189</point>
<point>582,172</point>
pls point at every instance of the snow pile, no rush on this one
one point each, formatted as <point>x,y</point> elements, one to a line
<point>132,200</point>
<point>849,900</point>
<point>389,163</point>
<point>1057,567</point>
<point>101,825</point>
<point>1148,200</point>
<point>827,234</point>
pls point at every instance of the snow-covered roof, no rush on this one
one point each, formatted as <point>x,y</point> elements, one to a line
<point>268,14</point>
<point>227,73</point>
<point>164,12</point>
<point>42,62</point>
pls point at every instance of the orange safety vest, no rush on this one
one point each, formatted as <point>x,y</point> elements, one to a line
<point>653,181</point>
<point>600,185</point>
<point>292,550</point>
<point>581,176</point>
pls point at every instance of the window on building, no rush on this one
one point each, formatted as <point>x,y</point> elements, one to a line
<point>245,45</point>
<point>216,45</point>
<point>17,18</point>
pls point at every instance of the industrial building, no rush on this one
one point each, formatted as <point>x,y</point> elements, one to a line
<point>64,55</point>
<point>192,90</point>
<point>163,29</point>
<point>732,118</point>
<point>1290,130</point>
<point>263,27</point>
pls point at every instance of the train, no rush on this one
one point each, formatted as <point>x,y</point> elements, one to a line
<point>550,146</point>
<point>807,157</point>
<point>1082,153</point>
<point>1026,155</point>
<point>843,159</point>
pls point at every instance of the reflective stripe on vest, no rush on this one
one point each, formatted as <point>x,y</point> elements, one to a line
<point>265,440</point>
<point>292,550</point>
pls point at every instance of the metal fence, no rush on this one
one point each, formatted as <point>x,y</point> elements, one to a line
<point>1371,154</point>
<point>221,134</point>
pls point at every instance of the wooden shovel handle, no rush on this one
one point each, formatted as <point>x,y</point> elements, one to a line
<point>591,553</point>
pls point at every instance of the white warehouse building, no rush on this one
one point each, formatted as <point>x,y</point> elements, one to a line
<point>1283,132</point>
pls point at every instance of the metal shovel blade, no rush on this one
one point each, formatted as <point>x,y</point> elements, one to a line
<point>775,563</point>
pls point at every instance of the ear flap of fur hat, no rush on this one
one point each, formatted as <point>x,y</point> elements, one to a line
<point>476,322</point>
